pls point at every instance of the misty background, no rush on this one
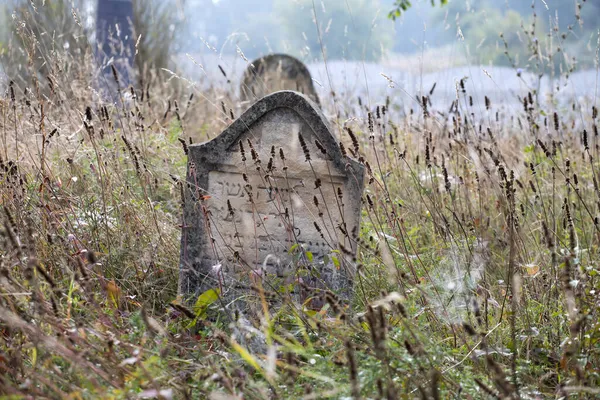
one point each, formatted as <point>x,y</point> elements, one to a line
<point>361,29</point>
<point>503,47</point>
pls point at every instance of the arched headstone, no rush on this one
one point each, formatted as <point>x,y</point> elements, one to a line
<point>273,73</point>
<point>271,193</point>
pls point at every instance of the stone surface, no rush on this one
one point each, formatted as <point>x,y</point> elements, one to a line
<point>275,72</point>
<point>116,43</point>
<point>242,218</point>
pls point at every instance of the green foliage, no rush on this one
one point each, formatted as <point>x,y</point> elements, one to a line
<point>352,29</point>
<point>517,35</point>
<point>500,32</point>
<point>204,301</point>
<point>401,6</point>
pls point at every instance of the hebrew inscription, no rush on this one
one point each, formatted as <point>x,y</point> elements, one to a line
<point>256,210</point>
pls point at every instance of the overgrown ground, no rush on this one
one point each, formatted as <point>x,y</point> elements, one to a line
<point>477,266</point>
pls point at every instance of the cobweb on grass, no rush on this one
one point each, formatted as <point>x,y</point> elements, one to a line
<point>456,278</point>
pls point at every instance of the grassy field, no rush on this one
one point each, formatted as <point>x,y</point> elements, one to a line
<point>477,271</point>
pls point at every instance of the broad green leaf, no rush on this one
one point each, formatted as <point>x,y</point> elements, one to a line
<point>34,356</point>
<point>336,262</point>
<point>310,313</point>
<point>205,300</point>
<point>309,256</point>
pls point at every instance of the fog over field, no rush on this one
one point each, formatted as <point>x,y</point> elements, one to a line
<point>375,81</point>
<point>404,58</point>
<point>499,46</point>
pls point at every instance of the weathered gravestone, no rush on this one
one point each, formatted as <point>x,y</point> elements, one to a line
<point>273,73</point>
<point>275,180</point>
<point>115,36</point>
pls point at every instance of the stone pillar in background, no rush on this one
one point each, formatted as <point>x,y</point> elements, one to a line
<point>114,35</point>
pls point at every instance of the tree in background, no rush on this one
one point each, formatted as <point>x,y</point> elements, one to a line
<point>220,24</point>
<point>489,32</point>
<point>352,29</point>
<point>564,29</point>
<point>568,24</point>
<point>155,24</point>
<point>3,28</point>
<point>563,12</point>
<point>65,29</point>
<point>40,29</point>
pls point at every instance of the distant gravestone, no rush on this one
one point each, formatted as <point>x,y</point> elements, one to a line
<point>273,73</point>
<point>114,34</point>
<point>252,196</point>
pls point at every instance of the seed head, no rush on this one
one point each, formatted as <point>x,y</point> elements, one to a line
<point>320,147</point>
<point>304,147</point>
<point>242,151</point>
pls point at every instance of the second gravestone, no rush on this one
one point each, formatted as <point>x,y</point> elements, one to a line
<point>271,199</point>
<point>275,72</point>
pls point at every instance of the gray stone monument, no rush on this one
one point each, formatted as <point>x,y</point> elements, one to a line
<point>271,199</point>
<point>276,72</point>
<point>114,35</point>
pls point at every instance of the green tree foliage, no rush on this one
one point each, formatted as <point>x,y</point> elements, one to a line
<point>352,29</point>
<point>565,13</point>
<point>543,37</point>
<point>403,5</point>
<point>574,28</point>
<point>490,33</point>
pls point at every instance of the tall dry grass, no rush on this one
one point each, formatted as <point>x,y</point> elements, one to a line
<point>477,269</point>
